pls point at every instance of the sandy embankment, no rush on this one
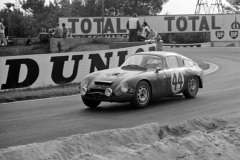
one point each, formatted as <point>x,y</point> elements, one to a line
<point>199,138</point>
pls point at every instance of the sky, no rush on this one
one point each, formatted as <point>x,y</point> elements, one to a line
<point>179,7</point>
<point>171,7</point>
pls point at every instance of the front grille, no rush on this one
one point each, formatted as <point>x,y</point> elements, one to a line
<point>97,90</point>
<point>107,83</point>
<point>97,96</point>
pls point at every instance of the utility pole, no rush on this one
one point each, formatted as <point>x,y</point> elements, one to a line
<point>202,7</point>
<point>17,4</point>
<point>216,7</point>
<point>9,5</point>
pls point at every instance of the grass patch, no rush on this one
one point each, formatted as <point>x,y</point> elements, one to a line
<point>37,93</point>
<point>203,65</point>
<point>24,50</point>
<point>45,49</point>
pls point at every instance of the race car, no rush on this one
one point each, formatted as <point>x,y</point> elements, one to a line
<point>143,77</point>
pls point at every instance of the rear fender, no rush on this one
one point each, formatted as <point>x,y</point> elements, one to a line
<point>200,82</point>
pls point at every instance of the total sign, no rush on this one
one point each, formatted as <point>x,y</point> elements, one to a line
<point>162,24</point>
<point>229,31</point>
<point>223,27</point>
<point>93,25</point>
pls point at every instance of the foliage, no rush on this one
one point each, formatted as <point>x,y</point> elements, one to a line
<point>78,8</point>
<point>33,7</point>
<point>190,37</point>
<point>128,7</point>
<point>185,38</point>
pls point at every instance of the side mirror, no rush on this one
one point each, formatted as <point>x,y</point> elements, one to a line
<point>157,69</point>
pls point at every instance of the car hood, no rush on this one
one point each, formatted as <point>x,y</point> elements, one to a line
<point>116,74</point>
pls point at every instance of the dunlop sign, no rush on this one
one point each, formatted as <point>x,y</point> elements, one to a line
<point>32,71</point>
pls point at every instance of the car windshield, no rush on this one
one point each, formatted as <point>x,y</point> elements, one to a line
<point>143,61</point>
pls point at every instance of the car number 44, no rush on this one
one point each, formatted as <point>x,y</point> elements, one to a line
<point>177,81</point>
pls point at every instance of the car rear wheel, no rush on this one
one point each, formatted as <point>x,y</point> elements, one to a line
<point>192,87</point>
<point>142,95</point>
<point>91,103</point>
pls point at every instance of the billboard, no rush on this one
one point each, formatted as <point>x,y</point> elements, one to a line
<point>31,71</point>
<point>116,26</point>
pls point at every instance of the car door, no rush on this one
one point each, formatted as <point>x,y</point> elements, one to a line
<point>155,65</point>
<point>176,75</point>
<point>162,83</point>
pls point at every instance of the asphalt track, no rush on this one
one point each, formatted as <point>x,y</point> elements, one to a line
<point>42,120</point>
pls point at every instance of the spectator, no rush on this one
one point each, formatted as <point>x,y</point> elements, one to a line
<point>44,36</point>
<point>153,35</point>
<point>43,30</point>
<point>58,32</point>
<point>133,26</point>
<point>65,31</point>
<point>2,33</point>
<point>145,32</point>
<point>51,33</point>
<point>29,41</point>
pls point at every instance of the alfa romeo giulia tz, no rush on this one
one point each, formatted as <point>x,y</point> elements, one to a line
<point>143,77</point>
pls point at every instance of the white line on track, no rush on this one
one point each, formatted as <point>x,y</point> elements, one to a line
<point>220,90</point>
<point>213,67</point>
<point>40,99</point>
<point>25,118</point>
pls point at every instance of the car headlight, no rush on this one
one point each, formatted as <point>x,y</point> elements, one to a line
<point>83,91</point>
<point>84,84</point>
<point>124,87</point>
<point>108,92</point>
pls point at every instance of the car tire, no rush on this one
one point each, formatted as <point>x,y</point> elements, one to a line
<point>192,87</point>
<point>91,103</point>
<point>142,95</point>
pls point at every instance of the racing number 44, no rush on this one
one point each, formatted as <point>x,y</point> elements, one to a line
<point>177,82</point>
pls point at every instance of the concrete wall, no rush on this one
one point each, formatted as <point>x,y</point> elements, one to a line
<point>225,44</point>
<point>116,45</point>
<point>22,41</point>
<point>58,45</point>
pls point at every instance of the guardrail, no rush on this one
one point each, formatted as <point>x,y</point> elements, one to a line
<point>182,45</point>
<point>116,44</point>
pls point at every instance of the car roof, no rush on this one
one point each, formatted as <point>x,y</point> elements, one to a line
<point>162,53</point>
<point>159,53</point>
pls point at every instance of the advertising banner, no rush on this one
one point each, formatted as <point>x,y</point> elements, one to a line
<point>33,71</point>
<point>116,26</point>
<point>225,35</point>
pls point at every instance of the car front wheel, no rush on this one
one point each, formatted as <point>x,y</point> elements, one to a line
<point>91,103</point>
<point>192,87</point>
<point>142,95</point>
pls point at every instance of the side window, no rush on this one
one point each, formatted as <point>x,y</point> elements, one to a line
<point>172,62</point>
<point>154,62</point>
<point>188,63</point>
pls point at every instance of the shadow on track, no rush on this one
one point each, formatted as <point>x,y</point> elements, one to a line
<point>126,107</point>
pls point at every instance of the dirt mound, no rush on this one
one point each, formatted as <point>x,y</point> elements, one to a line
<point>200,138</point>
<point>201,124</point>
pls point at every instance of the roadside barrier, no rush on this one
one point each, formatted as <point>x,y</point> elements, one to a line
<point>32,71</point>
